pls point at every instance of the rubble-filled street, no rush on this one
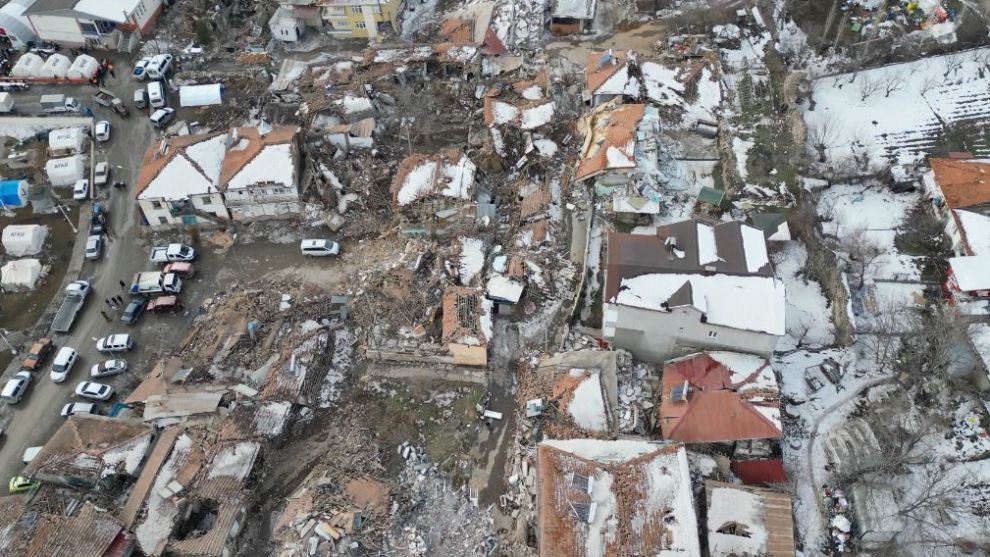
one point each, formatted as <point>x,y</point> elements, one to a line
<point>477,278</point>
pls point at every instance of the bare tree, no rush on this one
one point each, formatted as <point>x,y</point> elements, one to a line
<point>882,341</point>
<point>821,136</point>
<point>868,86</point>
<point>930,84</point>
<point>937,344</point>
<point>953,63</point>
<point>893,82</point>
<point>863,251</point>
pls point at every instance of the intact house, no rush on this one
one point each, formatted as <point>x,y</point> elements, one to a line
<point>432,193</point>
<point>92,23</point>
<point>748,521</point>
<point>692,286</point>
<point>720,397</point>
<point>968,279</point>
<point>245,174</point>
<point>339,18</point>
<point>959,190</point>
<point>601,498</point>
<point>568,17</point>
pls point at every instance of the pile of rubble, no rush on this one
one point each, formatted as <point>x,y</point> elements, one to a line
<point>637,384</point>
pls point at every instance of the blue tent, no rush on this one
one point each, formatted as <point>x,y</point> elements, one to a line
<point>13,193</point>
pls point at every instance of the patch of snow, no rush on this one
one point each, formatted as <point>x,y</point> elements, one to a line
<point>735,506</point>
<point>587,407</point>
<point>160,512</point>
<point>503,112</point>
<point>129,454</point>
<point>179,179</point>
<point>460,178</point>
<point>546,147</point>
<point>972,272</point>
<point>707,247</point>
<point>418,182</point>
<point>472,259</point>
<point>273,165</point>
<point>977,229</point>
<point>533,93</point>
<point>740,148</point>
<point>340,368</point>
<point>209,155</point>
<point>755,246</point>
<point>234,461</point>
<point>504,288</point>
<point>537,116</point>
<point>808,314</point>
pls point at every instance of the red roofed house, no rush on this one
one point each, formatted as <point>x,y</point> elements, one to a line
<point>719,397</point>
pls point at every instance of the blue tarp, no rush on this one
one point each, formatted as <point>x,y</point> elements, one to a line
<point>13,193</point>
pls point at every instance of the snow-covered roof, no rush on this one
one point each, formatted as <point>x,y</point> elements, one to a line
<point>587,405</point>
<point>574,9</point>
<point>745,520</point>
<point>752,303</point>
<point>273,165</point>
<point>201,95</point>
<point>449,173</point>
<point>979,337</point>
<point>109,10</point>
<point>66,138</point>
<point>971,272</point>
<point>503,288</point>
<point>975,229</point>
<point>615,498</point>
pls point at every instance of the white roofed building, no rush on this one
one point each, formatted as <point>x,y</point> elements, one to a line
<point>244,174</point>
<point>693,285</point>
<point>91,22</point>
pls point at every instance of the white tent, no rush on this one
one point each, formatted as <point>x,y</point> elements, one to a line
<point>85,67</point>
<point>57,65</point>
<point>24,239</point>
<point>66,171</point>
<point>72,140</point>
<point>201,95</point>
<point>28,66</point>
<point>20,275</point>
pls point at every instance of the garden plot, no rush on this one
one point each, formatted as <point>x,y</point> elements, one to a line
<point>894,114</point>
<point>874,210</point>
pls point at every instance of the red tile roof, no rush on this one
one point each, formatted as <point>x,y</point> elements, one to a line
<point>714,411</point>
<point>609,127</point>
<point>595,75</point>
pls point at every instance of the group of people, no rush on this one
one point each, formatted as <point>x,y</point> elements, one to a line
<point>115,303</point>
<point>836,506</point>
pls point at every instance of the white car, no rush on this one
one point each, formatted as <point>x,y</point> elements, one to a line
<point>73,408</point>
<point>120,342</point>
<point>79,287</point>
<point>95,391</point>
<point>319,248</point>
<point>162,117</point>
<point>140,67</point>
<point>101,175</point>
<point>103,131</point>
<point>80,191</point>
<point>108,368</point>
<point>14,390</point>
<point>62,364</point>
<point>94,247</point>
<point>159,66</point>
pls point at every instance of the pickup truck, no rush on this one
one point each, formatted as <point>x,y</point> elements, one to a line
<point>172,252</point>
<point>153,283</point>
<point>109,100</point>
<point>75,296</point>
<point>182,268</point>
<point>59,103</point>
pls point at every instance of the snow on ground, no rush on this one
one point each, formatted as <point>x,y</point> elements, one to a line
<point>587,408</point>
<point>416,16</point>
<point>873,209</point>
<point>893,113</point>
<point>472,259</point>
<point>740,148</point>
<point>808,314</point>
<point>340,368</point>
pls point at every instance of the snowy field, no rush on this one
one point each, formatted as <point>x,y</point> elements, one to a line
<point>875,210</point>
<point>808,316</point>
<point>892,114</point>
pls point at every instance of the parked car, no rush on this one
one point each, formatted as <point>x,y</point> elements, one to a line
<point>74,408</point>
<point>15,388</point>
<point>94,247</point>
<point>101,174</point>
<point>37,355</point>
<point>133,311</point>
<point>62,364</point>
<point>108,368</point>
<point>162,117</point>
<point>164,304</point>
<point>97,224</point>
<point>80,191</point>
<point>93,390</point>
<point>141,98</point>
<point>20,484</point>
<point>319,248</point>
<point>120,342</point>
<point>183,269</point>
<point>159,66</point>
<point>103,131</point>
<point>140,67</point>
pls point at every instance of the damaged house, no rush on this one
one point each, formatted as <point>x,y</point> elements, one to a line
<point>92,452</point>
<point>614,498</point>
<point>748,521</point>
<point>89,532</point>
<point>692,286</point>
<point>620,155</point>
<point>245,174</point>
<point>719,397</point>
<point>467,324</point>
<point>432,193</point>
<point>568,17</point>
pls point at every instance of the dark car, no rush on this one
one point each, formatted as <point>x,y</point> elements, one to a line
<point>97,224</point>
<point>38,354</point>
<point>133,311</point>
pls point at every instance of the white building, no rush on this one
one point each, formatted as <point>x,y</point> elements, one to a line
<point>15,25</point>
<point>692,286</point>
<point>207,179</point>
<point>91,22</point>
<point>285,26</point>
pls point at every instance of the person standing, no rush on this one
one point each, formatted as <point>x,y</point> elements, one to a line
<point>105,316</point>
<point>123,285</point>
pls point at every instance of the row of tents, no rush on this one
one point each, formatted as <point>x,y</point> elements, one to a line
<point>84,67</point>
<point>20,240</point>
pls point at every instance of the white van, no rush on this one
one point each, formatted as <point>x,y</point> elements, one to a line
<point>14,390</point>
<point>319,248</point>
<point>162,117</point>
<point>156,94</point>
<point>63,363</point>
<point>120,342</point>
